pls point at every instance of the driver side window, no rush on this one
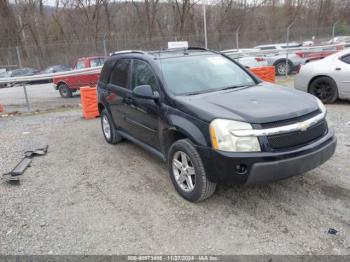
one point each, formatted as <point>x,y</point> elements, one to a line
<point>142,74</point>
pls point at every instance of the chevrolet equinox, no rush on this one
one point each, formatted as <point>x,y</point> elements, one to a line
<point>212,120</point>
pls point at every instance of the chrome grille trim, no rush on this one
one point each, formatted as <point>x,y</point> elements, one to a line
<point>299,126</point>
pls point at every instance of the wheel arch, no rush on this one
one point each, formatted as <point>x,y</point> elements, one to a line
<point>181,128</point>
<point>60,83</point>
<point>282,60</point>
<point>318,76</point>
<point>101,106</point>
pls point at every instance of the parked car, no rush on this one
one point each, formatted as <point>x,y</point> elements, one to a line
<point>277,57</point>
<point>25,71</point>
<point>328,79</point>
<point>210,119</point>
<point>280,46</point>
<point>67,85</point>
<point>55,69</point>
<point>339,40</point>
<point>4,74</point>
<point>245,58</point>
<point>50,70</point>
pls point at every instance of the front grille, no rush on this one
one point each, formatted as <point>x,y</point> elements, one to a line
<point>298,138</point>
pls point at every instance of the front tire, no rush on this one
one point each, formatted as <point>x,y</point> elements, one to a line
<point>65,91</point>
<point>325,89</point>
<point>109,132</point>
<point>187,172</point>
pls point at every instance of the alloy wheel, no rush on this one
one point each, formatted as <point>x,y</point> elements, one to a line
<point>106,127</point>
<point>184,172</point>
<point>323,90</point>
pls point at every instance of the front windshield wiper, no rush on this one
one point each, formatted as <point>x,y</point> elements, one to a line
<point>233,87</point>
<point>200,92</point>
<point>214,90</point>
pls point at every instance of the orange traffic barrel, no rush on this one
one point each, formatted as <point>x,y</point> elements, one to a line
<point>88,96</point>
<point>265,73</point>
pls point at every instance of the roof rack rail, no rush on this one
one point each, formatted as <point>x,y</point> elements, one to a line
<point>127,52</point>
<point>197,48</point>
<point>166,50</point>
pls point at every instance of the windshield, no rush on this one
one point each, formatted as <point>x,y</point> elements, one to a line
<point>200,74</point>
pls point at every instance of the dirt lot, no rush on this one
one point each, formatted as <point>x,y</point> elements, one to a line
<point>86,196</point>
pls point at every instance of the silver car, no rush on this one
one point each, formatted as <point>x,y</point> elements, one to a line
<point>328,79</point>
<point>246,57</point>
<point>275,55</point>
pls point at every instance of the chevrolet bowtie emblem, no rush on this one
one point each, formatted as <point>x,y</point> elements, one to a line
<point>304,126</point>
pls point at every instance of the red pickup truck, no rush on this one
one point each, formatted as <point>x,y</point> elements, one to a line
<point>319,53</point>
<point>67,85</point>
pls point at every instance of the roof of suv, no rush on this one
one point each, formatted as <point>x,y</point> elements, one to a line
<point>167,53</point>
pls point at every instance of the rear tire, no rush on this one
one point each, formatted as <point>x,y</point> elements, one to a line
<point>65,91</point>
<point>325,89</point>
<point>280,68</point>
<point>108,129</point>
<point>187,172</point>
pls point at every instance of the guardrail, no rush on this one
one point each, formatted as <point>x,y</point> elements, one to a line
<point>27,79</point>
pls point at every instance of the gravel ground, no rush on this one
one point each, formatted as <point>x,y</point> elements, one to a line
<point>86,196</point>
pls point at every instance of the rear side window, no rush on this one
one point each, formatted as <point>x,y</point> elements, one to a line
<point>80,64</point>
<point>143,75</point>
<point>120,72</point>
<point>267,48</point>
<point>346,59</point>
<point>97,62</point>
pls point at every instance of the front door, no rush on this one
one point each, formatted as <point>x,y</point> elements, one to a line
<point>118,92</point>
<point>143,114</point>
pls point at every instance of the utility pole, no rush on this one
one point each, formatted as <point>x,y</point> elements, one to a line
<point>333,30</point>
<point>205,23</point>
<point>288,32</point>
<point>237,37</point>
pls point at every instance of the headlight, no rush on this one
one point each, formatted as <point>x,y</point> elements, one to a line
<point>223,139</point>
<point>321,106</point>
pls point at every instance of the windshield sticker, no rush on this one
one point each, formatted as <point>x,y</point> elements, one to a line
<point>217,60</point>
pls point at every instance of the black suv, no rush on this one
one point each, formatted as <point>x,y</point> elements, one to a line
<point>211,119</point>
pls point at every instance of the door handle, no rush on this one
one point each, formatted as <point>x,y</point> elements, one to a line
<point>128,99</point>
<point>338,69</point>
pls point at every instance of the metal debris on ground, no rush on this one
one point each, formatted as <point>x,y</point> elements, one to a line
<point>332,231</point>
<point>13,176</point>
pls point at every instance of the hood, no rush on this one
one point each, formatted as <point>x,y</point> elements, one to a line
<point>262,103</point>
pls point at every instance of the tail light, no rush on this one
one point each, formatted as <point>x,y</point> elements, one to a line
<point>259,59</point>
<point>298,69</point>
<point>300,54</point>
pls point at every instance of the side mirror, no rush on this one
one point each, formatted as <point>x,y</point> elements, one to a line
<point>145,91</point>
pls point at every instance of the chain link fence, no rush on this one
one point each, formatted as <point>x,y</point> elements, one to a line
<point>43,55</point>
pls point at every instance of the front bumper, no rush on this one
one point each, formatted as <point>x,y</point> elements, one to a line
<point>263,167</point>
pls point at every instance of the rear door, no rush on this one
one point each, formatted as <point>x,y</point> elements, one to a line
<point>143,114</point>
<point>118,92</point>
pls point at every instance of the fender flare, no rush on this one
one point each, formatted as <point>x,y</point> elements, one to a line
<point>187,128</point>
<point>282,60</point>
